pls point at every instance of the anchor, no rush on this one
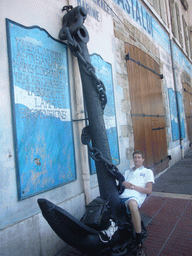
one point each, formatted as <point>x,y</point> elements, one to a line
<point>71,230</point>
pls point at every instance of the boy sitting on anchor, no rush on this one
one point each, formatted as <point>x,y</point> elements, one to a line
<point>138,184</point>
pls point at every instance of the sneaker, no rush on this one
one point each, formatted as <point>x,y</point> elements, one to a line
<point>140,251</point>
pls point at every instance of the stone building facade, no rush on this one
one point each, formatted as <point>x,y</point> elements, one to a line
<point>141,49</point>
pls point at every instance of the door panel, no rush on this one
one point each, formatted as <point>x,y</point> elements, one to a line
<point>147,110</point>
<point>188,109</point>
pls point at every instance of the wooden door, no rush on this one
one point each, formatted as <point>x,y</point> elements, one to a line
<point>188,109</point>
<point>147,109</point>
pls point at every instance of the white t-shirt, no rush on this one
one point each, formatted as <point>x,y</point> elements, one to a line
<point>138,177</point>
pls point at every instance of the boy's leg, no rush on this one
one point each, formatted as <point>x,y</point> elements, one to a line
<point>135,215</point>
<point>136,219</point>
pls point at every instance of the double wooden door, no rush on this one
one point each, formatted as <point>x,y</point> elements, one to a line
<point>147,109</point>
<point>188,109</point>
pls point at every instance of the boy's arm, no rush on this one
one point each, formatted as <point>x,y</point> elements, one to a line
<point>146,190</point>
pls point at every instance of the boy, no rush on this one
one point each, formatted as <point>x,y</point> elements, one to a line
<point>138,184</point>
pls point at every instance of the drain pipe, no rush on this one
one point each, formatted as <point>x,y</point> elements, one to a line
<point>176,97</point>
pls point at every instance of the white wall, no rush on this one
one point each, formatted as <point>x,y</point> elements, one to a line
<point>21,222</point>
<point>23,230</point>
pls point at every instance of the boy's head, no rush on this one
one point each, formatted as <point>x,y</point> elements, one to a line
<point>139,152</point>
<point>138,158</point>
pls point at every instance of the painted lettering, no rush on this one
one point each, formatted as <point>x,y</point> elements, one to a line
<point>103,5</point>
<point>127,7</point>
<point>138,13</point>
<point>121,2</point>
<point>39,71</point>
<point>143,21</point>
<point>151,26</point>
<point>138,18</point>
<point>90,10</point>
<point>133,13</point>
<point>148,23</point>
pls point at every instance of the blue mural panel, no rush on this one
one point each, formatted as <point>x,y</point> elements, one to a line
<point>181,60</point>
<point>41,109</point>
<point>161,37</point>
<point>181,115</point>
<point>175,115</point>
<point>173,112</point>
<point>104,73</point>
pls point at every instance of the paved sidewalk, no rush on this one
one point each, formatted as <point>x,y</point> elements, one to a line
<point>169,225</point>
<point>177,179</point>
<point>167,213</point>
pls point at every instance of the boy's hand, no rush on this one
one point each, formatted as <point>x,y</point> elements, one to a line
<point>128,185</point>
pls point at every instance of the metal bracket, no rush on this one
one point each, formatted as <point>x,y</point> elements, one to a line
<point>145,115</point>
<point>78,120</point>
<point>127,57</point>
<point>157,129</point>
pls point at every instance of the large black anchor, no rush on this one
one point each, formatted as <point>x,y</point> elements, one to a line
<point>69,229</point>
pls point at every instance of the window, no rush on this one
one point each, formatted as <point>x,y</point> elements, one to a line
<point>185,4</point>
<point>179,24</point>
<point>163,11</point>
<point>186,35</point>
<point>190,39</point>
<point>159,6</point>
<point>173,18</point>
<point>156,6</point>
<point>180,30</point>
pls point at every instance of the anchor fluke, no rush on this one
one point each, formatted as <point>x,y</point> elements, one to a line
<point>69,229</point>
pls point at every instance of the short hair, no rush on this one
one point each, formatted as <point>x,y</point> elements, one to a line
<point>139,152</point>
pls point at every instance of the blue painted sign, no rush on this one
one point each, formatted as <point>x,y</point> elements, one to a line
<point>104,73</point>
<point>93,12</point>
<point>181,60</point>
<point>137,11</point>
<point>181,115</point>
<point>41,110</point>
<point>161,37</point>
<point>175,115</point>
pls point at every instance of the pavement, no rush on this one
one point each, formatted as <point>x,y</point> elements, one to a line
<point>167,213</point>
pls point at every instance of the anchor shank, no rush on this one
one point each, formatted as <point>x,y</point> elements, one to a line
<point>107,183</point>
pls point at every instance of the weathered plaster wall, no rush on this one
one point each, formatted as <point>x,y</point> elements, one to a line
<point>21,222</point>
<point>103,42</point>
<point>23,229</point>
